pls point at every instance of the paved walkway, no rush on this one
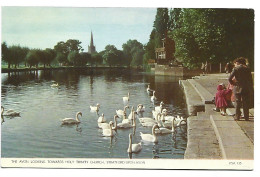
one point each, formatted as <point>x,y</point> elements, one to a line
<point>218,137</point>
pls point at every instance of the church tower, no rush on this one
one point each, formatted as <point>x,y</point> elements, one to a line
<point>91,47</point>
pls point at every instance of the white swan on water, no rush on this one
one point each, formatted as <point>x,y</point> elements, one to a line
<point>127,124</point>
<point>149,90</point>
<point>106,125</point>
<point>150,137</point>
<point>163,130</point>
<point>95,108</point>
<point>102,118</point>
<point>72,120</point>
<point>153,98</point>
<point>148,119</point>
<point>120,112</point>
<point>55,85</point>
<point>159,108</point>
<point>126,98</point>
<point>133,148</point>
<point>9,112</point>
<point>109,131</point>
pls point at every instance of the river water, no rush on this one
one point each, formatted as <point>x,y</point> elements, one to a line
<point>38,131</point>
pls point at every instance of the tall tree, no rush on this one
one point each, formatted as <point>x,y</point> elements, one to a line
<point>161,22</point>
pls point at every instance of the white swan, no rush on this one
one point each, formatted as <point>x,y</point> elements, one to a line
<point>130,116</point>
<point>9,112</point>
<point>148,119</point>
<point>140,110</point>
<point>150,137</point>
<point>95,108</point>
<point>149,90</point>
<point>106,125</point>
<point>163,130</point>
<point>133,148</point>
<point>109,131</point>
<point>102,119</point>
<point>120,112</point>
<point>72,120</point>
<point>126,98</point>
<point>153,98</point>
<point>180,120</point>
<point>127,124</point>
<point>55,85</point>
<point>159,108</point>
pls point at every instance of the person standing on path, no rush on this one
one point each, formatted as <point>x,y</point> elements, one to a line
<point>243,87</point>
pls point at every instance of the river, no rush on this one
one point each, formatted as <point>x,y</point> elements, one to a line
<point>38,131</point>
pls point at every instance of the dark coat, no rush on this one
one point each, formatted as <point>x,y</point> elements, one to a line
<point>244,83</point>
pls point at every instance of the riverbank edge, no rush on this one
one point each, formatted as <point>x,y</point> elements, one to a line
<point>232,141</point>
<point>7,70</point>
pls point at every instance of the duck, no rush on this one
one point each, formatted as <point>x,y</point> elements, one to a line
<point>153,98</point>
<point>102,118</point>
<point>72,120</point>
<point>108,131</point>
<point>133,148</point>
<point>120,112</point>
<point>105,125</point>
<point>163,130</point>
<point>9,112</point>
<point>127,124</point>
<point>126,98</point>
<point>95,108</point>
<point>150,137</point>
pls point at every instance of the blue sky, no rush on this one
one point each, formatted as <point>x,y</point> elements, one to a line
<point>43,27</point>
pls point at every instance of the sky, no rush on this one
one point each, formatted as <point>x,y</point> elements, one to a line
<point>44,27</point>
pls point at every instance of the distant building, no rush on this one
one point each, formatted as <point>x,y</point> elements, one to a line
<point>165,54</point>
<point>91,47</point>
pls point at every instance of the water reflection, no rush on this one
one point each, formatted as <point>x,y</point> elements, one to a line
<point>43,107</point>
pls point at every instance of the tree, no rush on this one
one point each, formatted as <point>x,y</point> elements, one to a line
<point>49,55</point>
<point>74,58</point>
<point>42,57</point>
<point>32,58</point>
<point>132,49</point>
<point>84,58</point>
<point>161,22</point>
<point>97,58</point>
<point>61,58</point>
<point>111,56</point>
<point>6,54</point>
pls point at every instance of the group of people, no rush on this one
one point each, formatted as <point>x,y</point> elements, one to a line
<point>239,92</point>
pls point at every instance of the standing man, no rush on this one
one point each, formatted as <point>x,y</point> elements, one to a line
<point>243,87</point>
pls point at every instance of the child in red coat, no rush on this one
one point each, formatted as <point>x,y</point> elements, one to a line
<point>220,99</point>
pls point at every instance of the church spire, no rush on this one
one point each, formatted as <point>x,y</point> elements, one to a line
<point>91,47</point>
<point>91,40</point>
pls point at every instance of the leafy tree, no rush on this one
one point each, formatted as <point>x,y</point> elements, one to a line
<point>97,58</point>
<point>49,55</point>
<point>61,58</point>
<point>132,49</point>
<point>73,45</point>
<point>161,22</point>
<point>84,58</point>
<point>42,57</point>
<point>6,54</point>
<point>74,58</point>
<point>111,56</point>
<point>32,58</point>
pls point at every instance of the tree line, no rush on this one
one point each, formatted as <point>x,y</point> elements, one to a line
<point>200,35</point>
<point>70,53</point>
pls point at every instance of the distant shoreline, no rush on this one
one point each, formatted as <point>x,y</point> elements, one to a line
<point>7,70</point>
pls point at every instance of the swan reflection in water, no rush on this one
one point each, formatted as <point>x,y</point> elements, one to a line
<point>2,119</point>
